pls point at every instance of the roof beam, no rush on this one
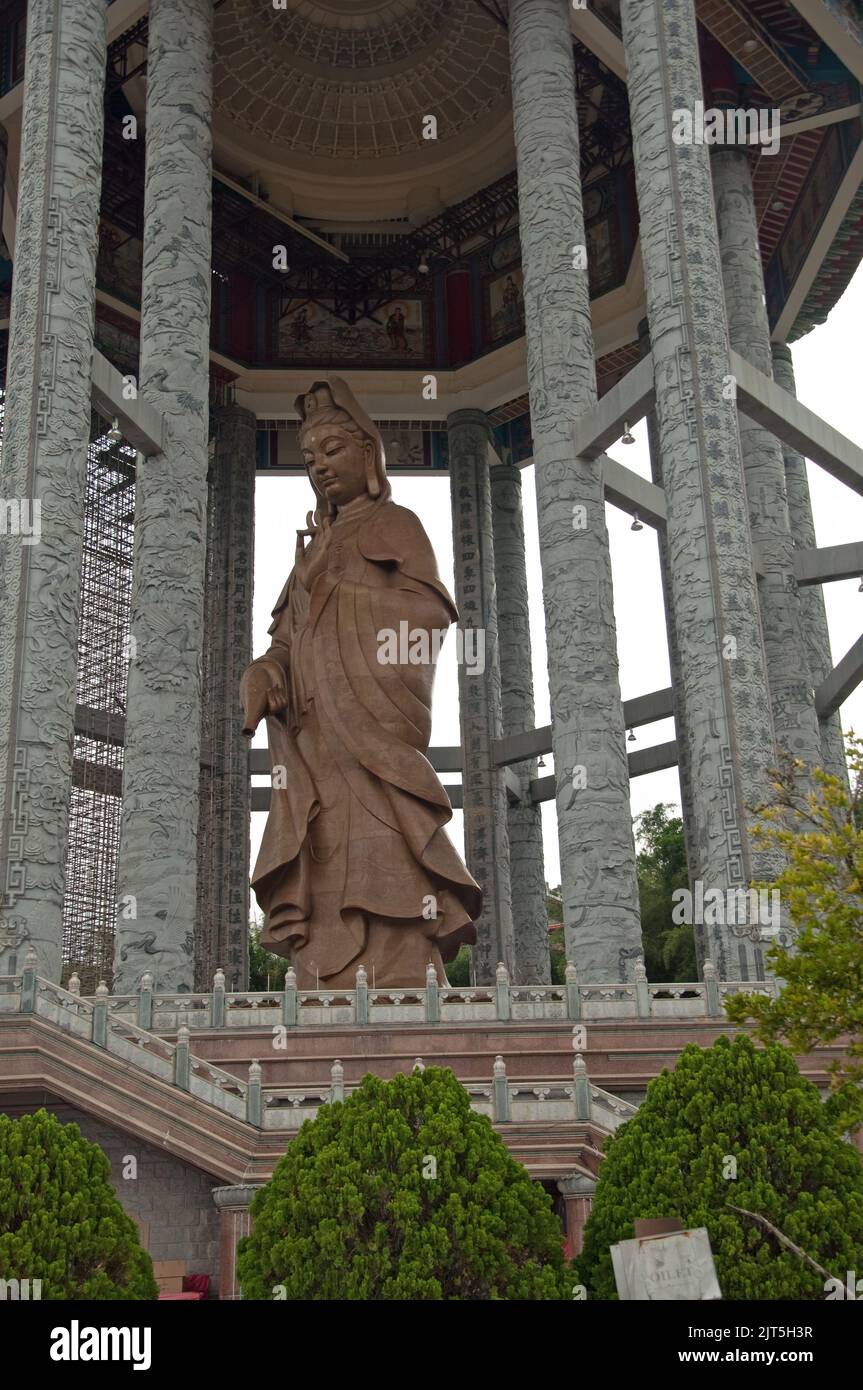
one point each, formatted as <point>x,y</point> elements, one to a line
<point>842,681</point>
<point>280,216</point>
<point>835,34</point>
<point>761,400</point>
<point>823,564</point>
<point>141,425</point>
<point>645,760</point>
<point>627,402</point>
<point>632,493</point>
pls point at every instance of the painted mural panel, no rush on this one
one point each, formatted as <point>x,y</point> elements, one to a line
<point>396,333</point>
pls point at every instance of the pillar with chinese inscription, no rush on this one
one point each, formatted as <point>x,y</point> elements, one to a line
<point>225,803</point>
<point>597,852</point>
<point>484,783</point>
<point>157,882</point>
<point>524,818</point>
<point>814,615</point>
<point>728,721</point>
<point>44,464</point>
<point>795,721</point>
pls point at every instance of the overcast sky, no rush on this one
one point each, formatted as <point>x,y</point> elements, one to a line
<point>827,364</point>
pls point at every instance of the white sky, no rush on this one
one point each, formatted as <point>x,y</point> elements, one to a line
<point>827,364</point>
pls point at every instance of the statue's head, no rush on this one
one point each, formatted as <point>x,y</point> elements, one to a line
<point>341,446</point>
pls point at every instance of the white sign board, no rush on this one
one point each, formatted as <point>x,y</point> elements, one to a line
<point>676,1266</point>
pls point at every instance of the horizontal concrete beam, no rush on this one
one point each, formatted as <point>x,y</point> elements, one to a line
<point>142,426</point>
<point>98,724</point>
<point>626,403</point>
<point>761,400</point>
<point>632,493</point>
<point>655,759</point>
<point>443,759</point>
<point>644,760</point>
<point>843,679</point>
<point>822,564</point>
<point>535,743</point>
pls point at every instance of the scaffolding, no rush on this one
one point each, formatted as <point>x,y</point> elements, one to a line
<point>89,907</point>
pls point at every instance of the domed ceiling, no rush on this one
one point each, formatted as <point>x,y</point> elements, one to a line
<point>340,89</point>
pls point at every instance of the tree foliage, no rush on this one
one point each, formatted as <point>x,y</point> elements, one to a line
<point>733,1102</point>
<point>353,1211</point>
<point>266,971</point>
<point>60,1220</point>
<point>821,886</point>
<point>669,949</point>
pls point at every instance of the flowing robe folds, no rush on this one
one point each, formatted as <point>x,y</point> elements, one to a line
<point>355,866</point>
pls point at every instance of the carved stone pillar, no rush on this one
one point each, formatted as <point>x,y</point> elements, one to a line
<point>795,721</point>
<point>223,828</point>
<point>157,882</point>
<point>597,853</point>
<point>678,691</point>
<point>485,798</point>
<point>235,1221</point>
<point>524,818</point>
<point>816,633</point>
<point>728,721</point>
<point>577,1192</point>
<point>44,463</point>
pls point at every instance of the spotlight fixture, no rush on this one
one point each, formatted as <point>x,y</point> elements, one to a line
<point>541,762</point>
<point>631,738</point>
<point>637,524</point>
<point>114,435</point>
<point>423,266</point>
<point>627,437</point>
<point>750,45</point>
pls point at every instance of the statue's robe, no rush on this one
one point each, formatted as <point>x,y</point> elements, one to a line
<point>355,866</point>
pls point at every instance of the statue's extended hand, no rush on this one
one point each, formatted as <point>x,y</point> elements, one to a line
<point>261,695</point>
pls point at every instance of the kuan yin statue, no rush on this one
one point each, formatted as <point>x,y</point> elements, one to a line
<point>355,867</point>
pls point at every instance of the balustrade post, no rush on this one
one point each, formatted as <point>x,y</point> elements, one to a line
<point>581,1090</point>
<point>712,1001</point>
<point>503,997</point>
<point>145,1002</point>
<point>100,1015</point>
<point>573,993</point>
<point>289,999</point>
<point>432,996</point>
<point>254,1107</point>
<point>337,1082</point>
<point>217,1001</point>
<point>500,1088</point>
<point>361,1005</point>
<point>181,1058</point>
<point>28,983</point>
<point>642,990</point>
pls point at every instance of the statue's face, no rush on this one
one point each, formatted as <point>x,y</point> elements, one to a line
<point>336,459</point>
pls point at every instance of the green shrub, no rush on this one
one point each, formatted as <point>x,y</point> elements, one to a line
<point>349,1214</point>
<point>672,1159</point>
<point>60,1220</point>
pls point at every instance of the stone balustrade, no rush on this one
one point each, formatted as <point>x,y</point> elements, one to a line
<point>110,1023</point>
<point>501,1002</point>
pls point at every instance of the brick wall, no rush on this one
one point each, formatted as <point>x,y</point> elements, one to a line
<point>169,1200</point>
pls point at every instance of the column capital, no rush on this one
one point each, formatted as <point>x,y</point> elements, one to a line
<point>236,1196</point>
<point>469,416</point>
<point>576,1185</point>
